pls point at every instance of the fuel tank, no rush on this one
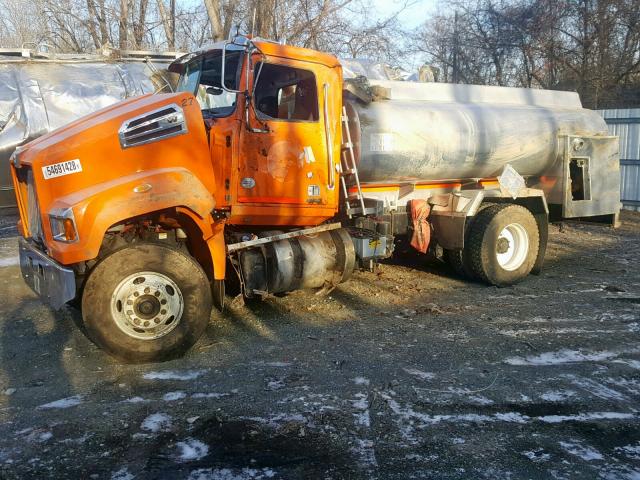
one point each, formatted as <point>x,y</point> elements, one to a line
<point>317,260</point>
<point>417,132</point>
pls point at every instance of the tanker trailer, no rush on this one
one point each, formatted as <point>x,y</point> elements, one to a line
<point>454,162</point>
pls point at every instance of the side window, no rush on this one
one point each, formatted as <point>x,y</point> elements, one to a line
<point>286,93</point>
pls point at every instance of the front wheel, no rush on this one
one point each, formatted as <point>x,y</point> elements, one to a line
<point>503,244</point>
<point>146,303</point>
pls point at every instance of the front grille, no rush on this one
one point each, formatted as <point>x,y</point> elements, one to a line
<point>33,210</point>
<point>159,124</point>
<point>28,202</point>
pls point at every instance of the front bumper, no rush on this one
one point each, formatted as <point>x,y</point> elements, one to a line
<point>55,284</point>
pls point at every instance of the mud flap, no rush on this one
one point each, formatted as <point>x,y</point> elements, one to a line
<point>421,235</point>
<point>217,294</point>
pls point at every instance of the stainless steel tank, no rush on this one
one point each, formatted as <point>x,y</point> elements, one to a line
<point>432,131</point>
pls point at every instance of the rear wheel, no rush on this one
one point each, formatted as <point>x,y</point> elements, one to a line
<point>146,303</point>
<point>503,244</point>
<point>456,260</point>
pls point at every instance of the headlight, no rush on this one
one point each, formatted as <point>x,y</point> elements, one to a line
<point>63,225</point>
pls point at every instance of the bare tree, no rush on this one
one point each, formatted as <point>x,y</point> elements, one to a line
<point>168,23</point>
<point>123,24</point>
<point>139,25</point>
<point>591,46</point>
<point>213,10</point>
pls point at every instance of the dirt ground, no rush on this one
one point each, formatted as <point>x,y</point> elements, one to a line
<point>408,373</point>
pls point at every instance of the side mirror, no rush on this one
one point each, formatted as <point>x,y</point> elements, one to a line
<point>224,65</point>
<point>214,91</point>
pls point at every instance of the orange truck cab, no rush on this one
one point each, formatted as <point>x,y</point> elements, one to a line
<point>139,212</point>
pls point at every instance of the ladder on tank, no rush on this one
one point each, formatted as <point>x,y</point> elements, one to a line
<point>349,172</point>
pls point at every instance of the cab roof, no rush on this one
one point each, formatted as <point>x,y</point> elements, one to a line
<point>268,47</point>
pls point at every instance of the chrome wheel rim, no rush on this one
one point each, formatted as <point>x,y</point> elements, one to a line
<point>512,246</point>
<point>147,305</point>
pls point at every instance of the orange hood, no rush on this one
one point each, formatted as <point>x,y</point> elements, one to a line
<point>93,144</point>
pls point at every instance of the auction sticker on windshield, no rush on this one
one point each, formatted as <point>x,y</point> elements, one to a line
<point>62,168</point>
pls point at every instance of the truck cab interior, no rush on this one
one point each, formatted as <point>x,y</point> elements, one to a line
<point>285,93</point>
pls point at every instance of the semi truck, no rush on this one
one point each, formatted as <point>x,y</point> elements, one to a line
<point>266,167</point>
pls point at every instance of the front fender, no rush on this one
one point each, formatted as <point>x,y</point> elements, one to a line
<point>100,206</point>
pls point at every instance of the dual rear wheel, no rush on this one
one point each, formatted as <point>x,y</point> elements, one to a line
<point>501,246</point>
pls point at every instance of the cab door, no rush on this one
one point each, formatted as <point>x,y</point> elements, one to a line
<point>286,161</point>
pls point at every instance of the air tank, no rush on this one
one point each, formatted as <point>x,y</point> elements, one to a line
<point>417,132</point>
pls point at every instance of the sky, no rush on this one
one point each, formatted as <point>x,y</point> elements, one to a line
<point>415,14</point>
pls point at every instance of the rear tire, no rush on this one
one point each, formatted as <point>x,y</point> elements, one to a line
<point>146,303</point>
<point>455,259</point>
<point>503,244</point>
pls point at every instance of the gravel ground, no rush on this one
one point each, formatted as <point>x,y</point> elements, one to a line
<point>8,222</point>
<point>407,373</point>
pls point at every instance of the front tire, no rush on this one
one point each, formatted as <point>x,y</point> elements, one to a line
<point>503,244</point>
<point>146,303</point>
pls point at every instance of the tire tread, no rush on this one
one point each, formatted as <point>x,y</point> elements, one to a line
<point>483,262</point>
<point>96,304</point>
<point>476,237</point>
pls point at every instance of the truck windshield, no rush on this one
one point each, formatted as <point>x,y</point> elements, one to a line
<point>202,78</point>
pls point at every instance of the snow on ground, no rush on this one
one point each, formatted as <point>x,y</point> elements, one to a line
<point>361,405</point>
<point>588,417</point>
<point>174,375</point>
<point>631,451</point>
<point>585,452</point>
<point>232,474</point>
<point>63,402</point>
<point>9,261</point>
<point>364,449</point>
<point>38,435</point>
<point>173,396</point>
<point>122,474</point>
<point>632,363</point>
<point>191,449</point>
<point>562,356</point>
<point>135,400</point>
<point>419,373</point>
<point>597,389</point>
<point>557,395</point>
<point>537,456</point>
<point>209,395</point>
<point>156,422</point>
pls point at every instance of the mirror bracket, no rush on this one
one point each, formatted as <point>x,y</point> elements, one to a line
<point>249,94</point>
<point>224,65</point>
